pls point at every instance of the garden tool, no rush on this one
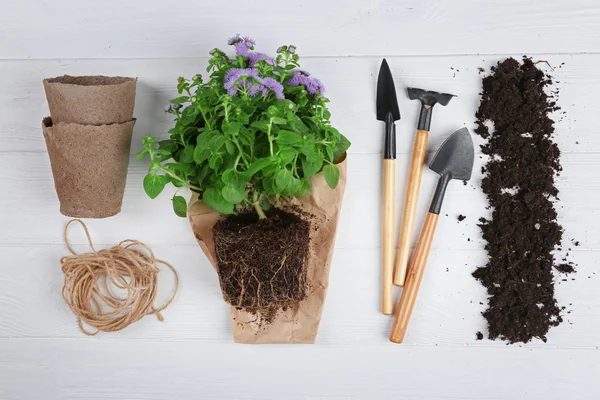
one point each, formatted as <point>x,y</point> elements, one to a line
<point>388,111</point>
<point>454,160</point>
<point>428,99</point>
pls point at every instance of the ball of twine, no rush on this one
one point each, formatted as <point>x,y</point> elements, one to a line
<point>112,288</point>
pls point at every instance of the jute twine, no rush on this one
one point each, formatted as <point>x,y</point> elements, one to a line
<point>91,280</point>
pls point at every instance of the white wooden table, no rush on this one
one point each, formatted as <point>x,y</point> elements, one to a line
<point>434,44</point>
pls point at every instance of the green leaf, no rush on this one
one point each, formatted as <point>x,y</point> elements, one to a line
<point>341,147</point>
<point>233,194</point>
<point>265,203</point>
<point>329,153</point>
<point>292,187</point>
<point>297,123</point>
<point>288,137</point>
<point>214,199</point>
<point>283,179</point>
<point>286,156</point>
<point>203,141</point>
<point>261,125</point>
<point>310,168</point>
<point>180,100</point>
<point>332,175</point>
<point>247,137</point>
<point>202,174</point>
<point>243,118</point>
<point>215,161</point>
<point>154,184</point>
<point>168,145</point>
<point>272,111</point>
<point>201,154</point>
<point>234,178</point>
<point>269,186</point>
<point>186,155</point>
<point>304,188</point>
<point>189,115</point>
<point>143,154</point>
<point>258,165</point>
<point>231,128</point>
<point>279,121</point>
<point>270,169</point>
<point>230,147</point>
<point>217,142</point>
<point>180,206</point>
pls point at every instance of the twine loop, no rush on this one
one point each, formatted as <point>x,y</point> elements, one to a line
<point>112,288</point>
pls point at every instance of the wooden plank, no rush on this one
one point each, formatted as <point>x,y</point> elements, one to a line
<point>114,29</point>
<point>350,82</point>
<point>28,204</point>
<point>447,311</point>
<point>129,369</point>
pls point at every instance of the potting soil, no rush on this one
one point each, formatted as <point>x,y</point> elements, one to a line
<point>522,232</point>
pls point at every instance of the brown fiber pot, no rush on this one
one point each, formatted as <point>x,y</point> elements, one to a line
<point>89,164</point>
<point>300,324</point>
<point>91,100</point>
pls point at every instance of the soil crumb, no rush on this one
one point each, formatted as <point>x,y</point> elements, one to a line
<point>262,263</point>
<point>523,231</point>
<point>461,218</point>
<point>479,336</point>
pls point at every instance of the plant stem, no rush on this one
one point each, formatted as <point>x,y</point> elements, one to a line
<point>259,211</point>
<point>257,207</point>
<point>269,136</point>
<point>183,182</point>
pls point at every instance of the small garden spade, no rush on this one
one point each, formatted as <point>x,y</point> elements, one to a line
<point>454,160</point>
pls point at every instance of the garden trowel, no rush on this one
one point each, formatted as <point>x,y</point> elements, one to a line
<point>388,111</point>
<point>454,160</point>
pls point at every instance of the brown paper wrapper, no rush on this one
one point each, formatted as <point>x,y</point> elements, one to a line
<point>89,164</point>
<point>298,325</point>
<point>91,100</point>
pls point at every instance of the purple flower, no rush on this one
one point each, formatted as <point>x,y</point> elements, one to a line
<point>275,86</point>
<point>234,39</point>
<point>248,79</point>
<point>250,41</point>
<point>313,85</point>
<point>234,74</point>
<point>242,44</point>
<point>255,57</point>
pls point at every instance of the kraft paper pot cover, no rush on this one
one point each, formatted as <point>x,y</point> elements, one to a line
<point>298,325</point>
<point>91,100</point>
<point>89,164</point>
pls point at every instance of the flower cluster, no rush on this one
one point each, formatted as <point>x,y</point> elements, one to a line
<point>313,85</point>
<point>248,81</point>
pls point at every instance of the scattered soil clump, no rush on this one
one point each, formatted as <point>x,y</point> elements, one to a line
<point>519,185</point>
<point>262,264</point>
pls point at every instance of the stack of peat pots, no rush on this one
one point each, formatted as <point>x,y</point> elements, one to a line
<point>88,136</point>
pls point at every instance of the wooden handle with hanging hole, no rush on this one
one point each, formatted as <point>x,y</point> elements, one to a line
<point>410,206</point>
<point>389,191</point>
<point>413,280</point>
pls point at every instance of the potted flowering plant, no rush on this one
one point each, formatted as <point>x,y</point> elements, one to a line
<point>255,144</point>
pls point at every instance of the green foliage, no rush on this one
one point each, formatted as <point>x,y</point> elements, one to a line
<point>244,151</point>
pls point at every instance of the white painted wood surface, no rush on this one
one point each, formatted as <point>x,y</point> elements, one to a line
<point>430,43</point>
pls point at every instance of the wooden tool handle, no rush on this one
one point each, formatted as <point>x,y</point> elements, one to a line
<point>413,280</point>
<point>389,191</point>
<point>410,206</point>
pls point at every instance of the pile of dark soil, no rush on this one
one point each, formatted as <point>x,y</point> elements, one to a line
<point>262,263</point>
<point>519,184</point>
